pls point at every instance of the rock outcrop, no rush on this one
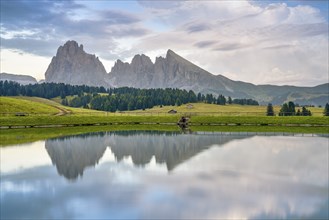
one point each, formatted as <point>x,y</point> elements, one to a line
<point>21,79</point>
<point>72,65</point>
<point>139,73</point>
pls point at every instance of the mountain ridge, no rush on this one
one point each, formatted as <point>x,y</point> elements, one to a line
<point>73,65</point>
<point>21,79</point>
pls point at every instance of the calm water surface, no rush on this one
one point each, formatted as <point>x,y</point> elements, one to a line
<point>138,175</point>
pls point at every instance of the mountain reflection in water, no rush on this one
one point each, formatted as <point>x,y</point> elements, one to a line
<point>72,155</point>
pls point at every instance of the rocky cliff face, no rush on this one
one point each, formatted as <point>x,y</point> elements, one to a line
<point>139,73</point>
<point>171,71</point>
<point>72,65</point>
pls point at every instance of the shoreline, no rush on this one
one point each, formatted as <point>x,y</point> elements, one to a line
<point>28,135</point>
<point>163,123</point>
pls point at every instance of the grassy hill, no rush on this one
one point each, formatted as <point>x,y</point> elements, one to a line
<point>36,105</point>
<point>18,105</point>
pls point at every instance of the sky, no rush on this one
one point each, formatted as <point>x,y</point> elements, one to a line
<point>262,42</point>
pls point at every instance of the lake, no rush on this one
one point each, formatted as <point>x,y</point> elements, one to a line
<point>167,175</point>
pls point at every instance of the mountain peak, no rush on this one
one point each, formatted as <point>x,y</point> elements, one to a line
<point>71,43</point>
<point>171,53</point>
<point>140,60</point>
<point>71,47</point>
<point>74,66</point>
<point>118,65</point>
<point>172,56</point>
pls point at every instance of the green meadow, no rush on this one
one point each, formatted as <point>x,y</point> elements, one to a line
<point>50,115</point>
<point>220,110</point>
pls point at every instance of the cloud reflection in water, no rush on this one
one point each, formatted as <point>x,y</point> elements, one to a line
<point>215,176</point>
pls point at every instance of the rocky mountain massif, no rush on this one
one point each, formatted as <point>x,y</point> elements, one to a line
<point>74,66</point>
<point>21,79</point>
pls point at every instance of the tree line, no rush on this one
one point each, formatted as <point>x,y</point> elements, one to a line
<point>125,98</point>
<point>114,99</point>
<point>289,109</point>
<point>46,90</point>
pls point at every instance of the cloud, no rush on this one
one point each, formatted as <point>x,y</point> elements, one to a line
<point>282,46</point>
<point>160,4</point>
<point>33,46</point>
<point>206,43</point>
<point>29,14</point>
<point>197,28</point>
<point>118,17</point>
<point>229,46</point>
<point>38,27</point>
<point>247,41</point>
<point>243,39</point>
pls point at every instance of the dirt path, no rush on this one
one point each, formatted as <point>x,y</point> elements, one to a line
<point>62,111</point>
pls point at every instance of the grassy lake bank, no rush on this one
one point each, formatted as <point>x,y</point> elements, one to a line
<point>78,120</point>
<point>19,136</point>
<point>48,119</point>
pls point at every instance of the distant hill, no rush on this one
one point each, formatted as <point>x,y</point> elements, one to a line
<point>74,66</point>
<point>21,79</point>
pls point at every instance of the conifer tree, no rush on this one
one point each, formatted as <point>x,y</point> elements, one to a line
<point>298,113</point>
<point>270,111</point>
<point>304,111</point>
<point>229,100</point>
<point>284,111</point>
<point>288,109</point>
<point>291,107</point>
<point>326,110</point>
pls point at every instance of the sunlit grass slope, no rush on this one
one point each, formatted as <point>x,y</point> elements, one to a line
<point>36,105</point>
<point>17,105</point>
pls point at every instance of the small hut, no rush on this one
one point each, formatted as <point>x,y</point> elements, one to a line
<point>172,111</point>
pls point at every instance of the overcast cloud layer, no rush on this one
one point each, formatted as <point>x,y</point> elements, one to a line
<point>259,42</point>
